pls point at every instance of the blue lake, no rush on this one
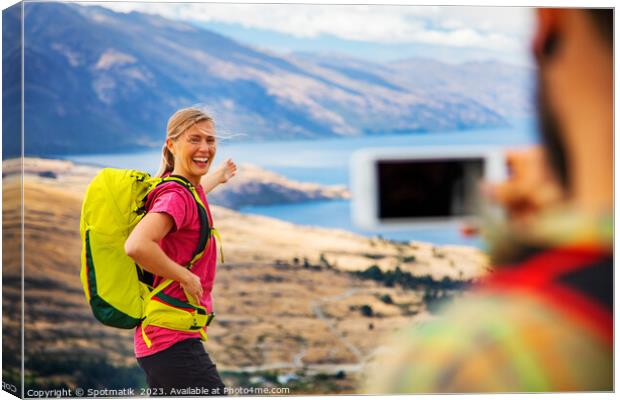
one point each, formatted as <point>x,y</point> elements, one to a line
<point>326,161</point>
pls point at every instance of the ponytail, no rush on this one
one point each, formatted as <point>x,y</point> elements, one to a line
<point>166,165</point>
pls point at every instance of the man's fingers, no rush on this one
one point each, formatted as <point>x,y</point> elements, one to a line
<point>505,193</point>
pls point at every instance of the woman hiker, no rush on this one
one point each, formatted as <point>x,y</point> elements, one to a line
<point>164,243</point>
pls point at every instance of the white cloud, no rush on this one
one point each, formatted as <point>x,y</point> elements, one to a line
<point>494,28</point>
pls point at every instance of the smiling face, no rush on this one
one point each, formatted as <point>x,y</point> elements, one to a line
<point>194,151</point>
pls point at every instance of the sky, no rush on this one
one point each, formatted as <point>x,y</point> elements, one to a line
<point>379,33</point>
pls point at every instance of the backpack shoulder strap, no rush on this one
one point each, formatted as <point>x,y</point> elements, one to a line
<point>205,228</point>
<point>576,280</point>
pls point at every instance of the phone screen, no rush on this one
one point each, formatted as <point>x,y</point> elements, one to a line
<point>433,188</point>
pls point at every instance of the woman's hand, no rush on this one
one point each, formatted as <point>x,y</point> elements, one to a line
<point>142,246</point>
<point>226,171</point>
<point>222,174</point>
<point>192,285</point>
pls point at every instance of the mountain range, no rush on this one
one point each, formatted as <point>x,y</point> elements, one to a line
<point>101,81</point>
<point>255,186</point>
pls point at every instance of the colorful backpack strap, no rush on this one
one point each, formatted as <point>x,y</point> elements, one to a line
<point>205,228</point>
<point>192,304</point>
<point>202,211</point>
<point>575,280</point>
<point>172,305</point>
<point>216,233</point>
<point>145,276</point>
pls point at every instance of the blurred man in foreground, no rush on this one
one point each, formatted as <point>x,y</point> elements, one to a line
<point>543,320</point>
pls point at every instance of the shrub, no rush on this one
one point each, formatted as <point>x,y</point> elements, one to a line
<point>386,298</point>
<point>373,272</point>
<point>366,310</point>
<point>408,259</point>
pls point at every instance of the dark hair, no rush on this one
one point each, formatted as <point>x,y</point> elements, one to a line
<point>603,19</point>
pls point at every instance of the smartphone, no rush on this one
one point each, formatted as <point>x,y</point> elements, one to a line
<point>404,187</point>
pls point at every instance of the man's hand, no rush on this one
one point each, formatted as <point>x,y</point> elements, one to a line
<point>530,188</point>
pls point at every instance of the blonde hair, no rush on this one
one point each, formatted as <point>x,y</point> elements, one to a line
<point>180,121</point>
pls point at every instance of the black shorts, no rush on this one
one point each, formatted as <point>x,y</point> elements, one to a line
<point>183,369</point>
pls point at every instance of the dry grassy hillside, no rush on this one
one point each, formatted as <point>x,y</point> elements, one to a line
<point>286,299</point>
<point>11,282</point>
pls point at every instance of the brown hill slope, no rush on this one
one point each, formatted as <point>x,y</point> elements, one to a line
<point>285,299</point>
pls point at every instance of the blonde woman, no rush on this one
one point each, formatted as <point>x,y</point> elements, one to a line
<point>165,240</point>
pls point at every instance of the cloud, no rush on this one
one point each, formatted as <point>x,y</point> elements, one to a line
<point>493,28</point>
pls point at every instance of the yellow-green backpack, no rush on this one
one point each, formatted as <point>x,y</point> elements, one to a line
<point>119,292</point>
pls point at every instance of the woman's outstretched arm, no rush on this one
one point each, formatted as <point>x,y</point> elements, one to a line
<point>222,174</point>
<point>142,246</point>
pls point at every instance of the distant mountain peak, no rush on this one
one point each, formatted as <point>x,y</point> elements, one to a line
<point>120,76</point>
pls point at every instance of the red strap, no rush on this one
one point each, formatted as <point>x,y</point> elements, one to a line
<point>543,268</point>
<point>537,277</point>
<point>588,312</point>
